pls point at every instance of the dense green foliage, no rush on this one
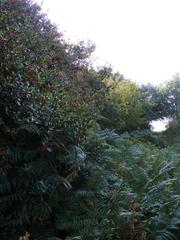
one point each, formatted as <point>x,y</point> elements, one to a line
<point>77,157</point>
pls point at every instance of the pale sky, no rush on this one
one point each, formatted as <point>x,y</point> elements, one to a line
<point>139,38</point>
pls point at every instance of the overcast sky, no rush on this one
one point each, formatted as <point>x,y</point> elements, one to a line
<point>139,38</point>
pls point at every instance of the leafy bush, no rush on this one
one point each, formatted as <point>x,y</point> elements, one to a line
<point>129,190</point>
<point>62,175</point>
<point>45,113</point>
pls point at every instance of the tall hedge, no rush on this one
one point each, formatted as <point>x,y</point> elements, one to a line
<point>45,110</point>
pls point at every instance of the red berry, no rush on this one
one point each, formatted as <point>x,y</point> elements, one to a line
<point>8,34</point>
<point>43,100</point>
<point>74,102</point>
<point>14,56</point>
